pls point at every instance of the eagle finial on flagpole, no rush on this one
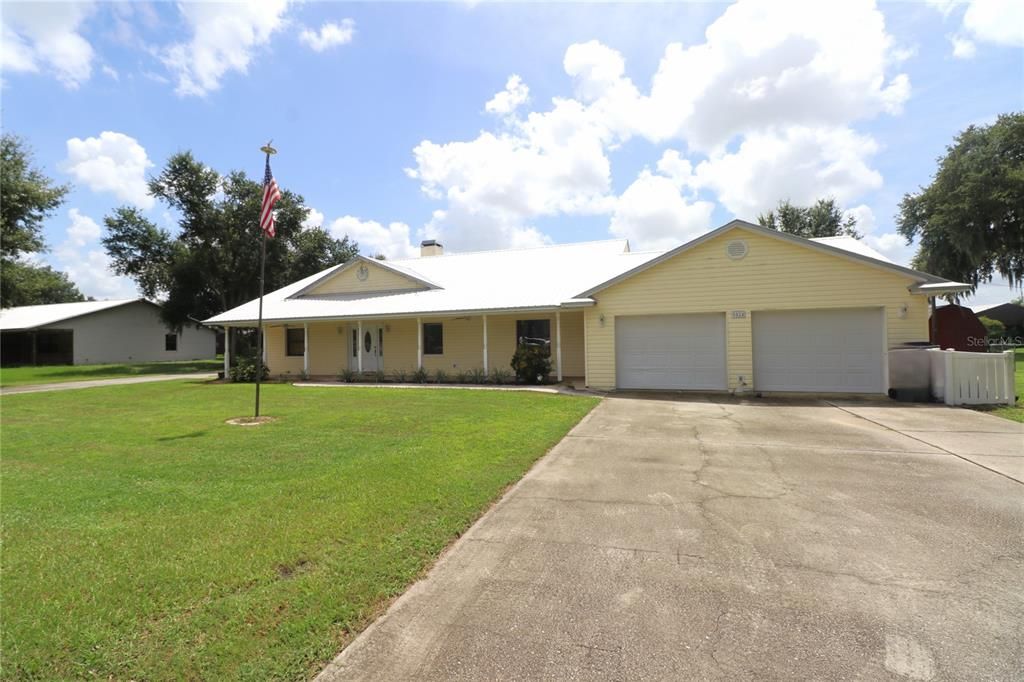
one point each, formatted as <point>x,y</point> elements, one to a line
<point>267,149</point>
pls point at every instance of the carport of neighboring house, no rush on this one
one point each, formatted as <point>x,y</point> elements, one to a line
<point>750,309</point>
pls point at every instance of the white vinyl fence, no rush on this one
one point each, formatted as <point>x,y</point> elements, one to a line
<point>972,378</point>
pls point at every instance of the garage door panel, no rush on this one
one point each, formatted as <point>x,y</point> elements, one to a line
<point>670,351</point>
<point>819,350</point>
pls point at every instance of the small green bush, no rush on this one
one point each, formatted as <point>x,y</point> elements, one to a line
<point>245,370</point>
<point>532,364</point>
<point>303,375</point>
<point>440,377</point>
<point>476,376</point>
<point>420,376</point>
<point>461,377</point>
<point>500,375</point>
<point>346,376</point>
<point>399,376</point>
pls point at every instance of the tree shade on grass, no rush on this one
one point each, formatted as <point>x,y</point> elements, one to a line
<point>146,539</point>
<point>52,374</point>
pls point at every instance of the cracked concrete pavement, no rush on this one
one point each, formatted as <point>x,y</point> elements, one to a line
<point>712,538</point>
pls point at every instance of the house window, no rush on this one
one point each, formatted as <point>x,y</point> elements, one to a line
<point>296,342</point>
<point>433,338</point>
<point>355,342</point>
<point>534,333</point>
<point>170,342</point>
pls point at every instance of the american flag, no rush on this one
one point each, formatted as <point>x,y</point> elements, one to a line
<point>271,194</point>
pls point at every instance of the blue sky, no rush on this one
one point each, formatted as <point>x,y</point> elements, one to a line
<point>496,125</point>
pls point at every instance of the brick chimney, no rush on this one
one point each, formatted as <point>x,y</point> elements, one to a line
<point>430,247</point>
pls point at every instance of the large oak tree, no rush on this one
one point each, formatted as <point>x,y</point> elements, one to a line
<point>27,198</point>
<point>970,219</point>
<point>822,219</point>
<point>211,264</point>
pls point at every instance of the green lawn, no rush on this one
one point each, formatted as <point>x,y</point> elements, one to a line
<point>1015,412</point>
<point>145,539</point>
<point>20,376</point>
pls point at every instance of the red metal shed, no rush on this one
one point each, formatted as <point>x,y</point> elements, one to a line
<point>959,329</point>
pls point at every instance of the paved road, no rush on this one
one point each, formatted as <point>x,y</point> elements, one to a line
<point>705,539</point>
<point>73,385</point>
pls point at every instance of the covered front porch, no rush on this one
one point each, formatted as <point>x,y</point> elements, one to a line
<point>398,346</point>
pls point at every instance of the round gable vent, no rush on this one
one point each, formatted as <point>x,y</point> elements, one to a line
<point>736,249</point>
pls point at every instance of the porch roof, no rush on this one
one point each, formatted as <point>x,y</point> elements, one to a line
<point>480,282</point>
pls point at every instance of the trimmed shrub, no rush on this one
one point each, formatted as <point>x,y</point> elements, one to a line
<point>245,370</point>
<point>420,376</point>
<point>440,377</point>
<point>476,376</point>
<point>461,378</point>
<point>346,376</point>
<point>532,364</point>
<point>399,376</point>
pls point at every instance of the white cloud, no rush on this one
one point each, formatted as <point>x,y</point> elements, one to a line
<point>82,230</point>
<point>392,240</point>
<point>764,108</point>
<point>996,21</point>
<point>45,36</point>
<point>865,217</point>
<point>330,35</point>
<point>652,214</point>
<point>111,72</point>
<point>963,48</point>
<point>893,246</point>
<point>85,262</point>
<point>112,162</point>
<point>515,94</point>
<point>1000,22</point>
<point>313,219</point>
<point>224,37</point>
<point>798,164</point>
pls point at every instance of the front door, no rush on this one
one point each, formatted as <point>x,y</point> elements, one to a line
<point>371,346</point>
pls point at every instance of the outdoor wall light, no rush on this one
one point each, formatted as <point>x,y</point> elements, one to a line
<point>903,312</point>
<point>600,319</point>
<point>387,328</point>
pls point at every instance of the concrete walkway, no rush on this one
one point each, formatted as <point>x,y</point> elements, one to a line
<point>73,385</point>
<point>721,539</point>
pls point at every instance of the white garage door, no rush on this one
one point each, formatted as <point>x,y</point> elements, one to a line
<point>819,350</point>
<point>670,351</point>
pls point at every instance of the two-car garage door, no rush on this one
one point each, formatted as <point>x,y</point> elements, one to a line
<point>821,351</point>
<point>675,352</point>
<point>836,350</point>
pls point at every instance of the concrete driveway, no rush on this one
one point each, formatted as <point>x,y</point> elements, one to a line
<point>719,539</point>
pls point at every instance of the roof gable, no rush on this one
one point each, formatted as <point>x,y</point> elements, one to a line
<point>365,276</point>
<point>741,225</point>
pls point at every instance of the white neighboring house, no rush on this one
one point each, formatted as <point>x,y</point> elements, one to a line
<point>95,332</point>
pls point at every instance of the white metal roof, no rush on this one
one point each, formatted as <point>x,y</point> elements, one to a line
<point>33,316</point>
<point>514,279</point>
<point>517,279</point>
<point>853,246</point>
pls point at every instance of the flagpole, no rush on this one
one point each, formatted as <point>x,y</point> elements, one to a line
<point>268,150</point>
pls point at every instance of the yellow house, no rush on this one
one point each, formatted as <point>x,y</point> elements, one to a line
<point>742,308</point>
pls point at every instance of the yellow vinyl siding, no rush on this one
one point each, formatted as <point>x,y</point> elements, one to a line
<point>379,279</point>
<point>774,275</point>
<point>330,350</point>
<point>279,362</point>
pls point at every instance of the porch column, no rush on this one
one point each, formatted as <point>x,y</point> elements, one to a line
<point>265,350</point>
<point>359,348</point>
<point>227,351</point>
<point>305,348</point>
<point>558,345</point>
<point>419,343</point>
<point>485,344</point>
